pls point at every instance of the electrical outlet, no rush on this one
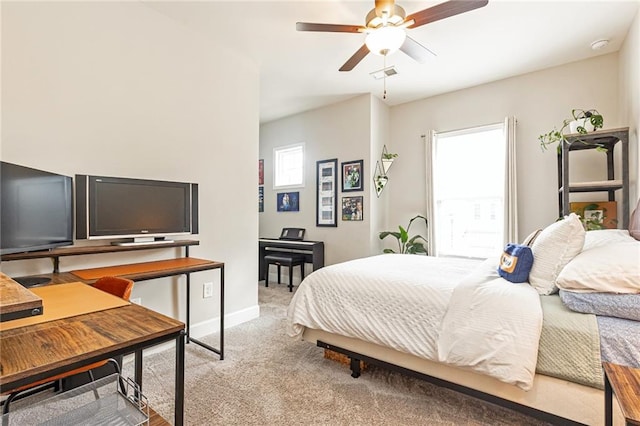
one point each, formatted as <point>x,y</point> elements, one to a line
<point>207,290</point>
<point>137,300</point>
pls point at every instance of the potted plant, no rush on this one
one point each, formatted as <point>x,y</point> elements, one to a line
<point>387,160</point>
<point>388,156</point>
<point>380,181</point>
<point>581,122</point>
<point>413,245</point>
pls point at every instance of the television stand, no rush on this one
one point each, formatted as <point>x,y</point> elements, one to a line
<point>142,241</point>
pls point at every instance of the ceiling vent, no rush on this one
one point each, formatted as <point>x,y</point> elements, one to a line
<point>384,72</point>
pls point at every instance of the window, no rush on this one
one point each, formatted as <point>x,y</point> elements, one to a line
<point>288,166</point>
<point>468,191</point>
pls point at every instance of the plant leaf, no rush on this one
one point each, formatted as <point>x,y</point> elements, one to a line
<point>385,234</point>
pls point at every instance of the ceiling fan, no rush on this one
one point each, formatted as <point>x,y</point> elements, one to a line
<point>386,26</point>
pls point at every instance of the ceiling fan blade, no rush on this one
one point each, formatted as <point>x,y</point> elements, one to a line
<point>329,28</point>
<point>416,50</point>
<point>355,59</point>
<point>444,10</point>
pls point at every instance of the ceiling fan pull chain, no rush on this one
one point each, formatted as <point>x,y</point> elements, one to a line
<point>384,76</point>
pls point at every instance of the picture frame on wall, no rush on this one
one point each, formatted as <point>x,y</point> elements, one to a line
<point>288,201</point>
<point>261,172</point>
<point>352,209</point>
<point>596,214</point>
<point>352,176</point>
<point>326,197</point>
<point>261,199</point>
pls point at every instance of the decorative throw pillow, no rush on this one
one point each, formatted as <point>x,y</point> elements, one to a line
<point>531,238</point>
<point>556,245</point>
<point>515,263</point>
<point>614,268</point>
<point>603,237</point>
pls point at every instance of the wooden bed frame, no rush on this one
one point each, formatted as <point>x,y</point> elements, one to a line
<point>552,400</point>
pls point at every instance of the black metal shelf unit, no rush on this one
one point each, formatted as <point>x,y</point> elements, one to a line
<point>607,139</point>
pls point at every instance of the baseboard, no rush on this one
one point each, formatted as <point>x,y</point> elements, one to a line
<point>204,328</point>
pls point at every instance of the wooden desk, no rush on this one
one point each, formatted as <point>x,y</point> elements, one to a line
<point>313,251</point>
<point>35,352</point>
<point>17,301</point>
<point>136,271</point>
<point>625,383</point>
<point>166,268</point>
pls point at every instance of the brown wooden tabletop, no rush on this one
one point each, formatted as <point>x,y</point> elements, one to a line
<point>625,382</point>
<point>150,270</point>
<point>16,301</point>
<point>39,351</point>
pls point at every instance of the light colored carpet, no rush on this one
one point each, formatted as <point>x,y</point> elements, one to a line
<point>267,378</point>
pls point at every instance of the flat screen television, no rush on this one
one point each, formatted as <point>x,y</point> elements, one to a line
<point>140,211</point>
<point>36,209</point>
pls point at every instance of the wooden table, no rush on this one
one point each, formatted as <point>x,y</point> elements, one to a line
<point>43,349</point>
<point>625,383</point>
<point>166,268</point>
<point>17,301</point>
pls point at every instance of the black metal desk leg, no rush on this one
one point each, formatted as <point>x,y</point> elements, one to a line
<point>190,339</point>
<point>138,368</point>
<point>608,402</point>
<point>188,303</point>
<point>179,385</point>
<point>221,312</point>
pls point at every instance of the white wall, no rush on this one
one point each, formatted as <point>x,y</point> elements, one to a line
<point>629,98</point>
<point>343,131</point>
<point>378,207</point>
<point>539,101</point>
<point>117,89</point>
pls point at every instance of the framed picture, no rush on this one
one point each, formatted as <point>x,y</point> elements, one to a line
<point>326,199</point>
<point>260,172</point>
<point>260,199</point>
<point>352,176</point>
<point>352,208</point>
<point>596,214</point>
<point>288,201</point>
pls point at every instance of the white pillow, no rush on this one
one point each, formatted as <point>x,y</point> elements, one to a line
<point>601,237</point>
<point>554,247</point>
<point>613,268</point>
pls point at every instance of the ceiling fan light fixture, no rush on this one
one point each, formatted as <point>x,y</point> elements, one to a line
<point>386,40</point>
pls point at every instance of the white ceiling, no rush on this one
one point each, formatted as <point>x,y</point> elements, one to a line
<point>299,70</point>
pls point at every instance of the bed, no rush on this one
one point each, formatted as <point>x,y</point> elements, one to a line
<point>535,346</point>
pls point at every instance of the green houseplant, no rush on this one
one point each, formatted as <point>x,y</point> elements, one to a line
<point>581,122</point>
<point>406,244</point>
<point>389,156</point>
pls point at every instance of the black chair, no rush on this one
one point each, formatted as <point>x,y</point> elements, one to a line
<point>287,259</point>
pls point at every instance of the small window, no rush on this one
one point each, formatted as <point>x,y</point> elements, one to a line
<point>288,166</point>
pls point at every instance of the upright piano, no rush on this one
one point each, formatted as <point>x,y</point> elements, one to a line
<point>312,250</point>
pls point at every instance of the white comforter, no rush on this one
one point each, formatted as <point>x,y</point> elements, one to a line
<point>455,311</point>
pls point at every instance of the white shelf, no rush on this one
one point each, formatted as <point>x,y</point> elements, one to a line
<point>604,184</point>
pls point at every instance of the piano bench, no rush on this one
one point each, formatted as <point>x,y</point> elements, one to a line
<point>284,259</point>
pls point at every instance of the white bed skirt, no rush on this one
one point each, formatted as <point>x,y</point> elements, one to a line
<point>556,396</point>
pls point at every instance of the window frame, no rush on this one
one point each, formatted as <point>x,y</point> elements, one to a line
<point>301,145</point>
<point>434,191</point>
